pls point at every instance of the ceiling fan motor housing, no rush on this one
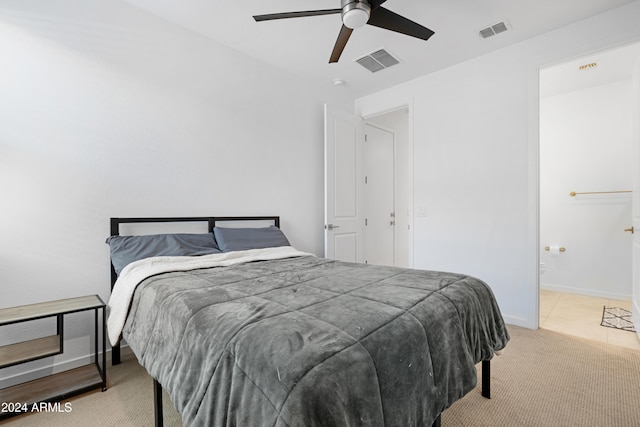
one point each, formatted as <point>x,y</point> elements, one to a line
<point>355,13</point>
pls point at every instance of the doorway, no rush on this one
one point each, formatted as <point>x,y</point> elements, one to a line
<point>394,218</point>
<point>379,195</point>
<point>585,200</point>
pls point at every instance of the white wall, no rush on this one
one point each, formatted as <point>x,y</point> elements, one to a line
<point>476,157</point>
<point>585,141</point>
<point>108,111</point>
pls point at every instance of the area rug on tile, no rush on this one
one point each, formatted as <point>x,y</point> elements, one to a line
<point>616,317</point>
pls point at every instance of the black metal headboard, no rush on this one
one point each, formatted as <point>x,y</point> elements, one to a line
<point>114,224</point>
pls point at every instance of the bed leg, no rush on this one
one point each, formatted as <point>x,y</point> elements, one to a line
<point>157,403</point>
<point>115,355</point>
<point>486,379</point>
<point>436,423</point>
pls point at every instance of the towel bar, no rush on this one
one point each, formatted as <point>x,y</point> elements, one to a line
<point>573,193</point>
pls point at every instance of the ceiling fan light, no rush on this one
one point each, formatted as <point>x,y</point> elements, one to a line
<point>355,18</point>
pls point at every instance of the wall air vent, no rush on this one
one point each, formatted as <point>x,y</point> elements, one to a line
<point>378,60</point>
<point>494,29</point>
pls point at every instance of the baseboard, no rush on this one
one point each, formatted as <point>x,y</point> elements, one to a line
<point>586,292</point>
<point>518,321</point>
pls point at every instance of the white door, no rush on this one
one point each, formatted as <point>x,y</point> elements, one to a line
<point>343,135</point>
<point>379,196</point>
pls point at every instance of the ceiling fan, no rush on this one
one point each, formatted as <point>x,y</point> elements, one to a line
<point>355,14</point>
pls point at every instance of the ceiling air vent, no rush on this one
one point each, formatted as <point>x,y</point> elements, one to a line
<point>494,29</point>
<point>378,60</point>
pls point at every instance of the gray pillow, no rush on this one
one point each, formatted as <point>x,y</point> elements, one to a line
<point>240,239</point>
<point>127,249</point>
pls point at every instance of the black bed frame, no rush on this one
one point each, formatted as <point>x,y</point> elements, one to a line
<point>211,222</point>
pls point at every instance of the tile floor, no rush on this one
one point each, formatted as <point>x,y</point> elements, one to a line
<point>581,315</point>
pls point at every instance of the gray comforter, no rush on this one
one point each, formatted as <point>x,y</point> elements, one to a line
<point>313,342</point>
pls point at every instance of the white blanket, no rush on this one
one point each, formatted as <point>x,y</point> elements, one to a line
<point>136,272</point>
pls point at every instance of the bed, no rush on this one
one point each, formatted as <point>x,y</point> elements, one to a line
<point>241,329</point>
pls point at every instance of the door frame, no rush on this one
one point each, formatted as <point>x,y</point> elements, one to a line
<point>635,201</point>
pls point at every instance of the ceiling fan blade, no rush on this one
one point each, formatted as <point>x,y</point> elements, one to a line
<point>301,14</point>
<point>341,42</point>
<point>376,3</point>
<point>384,18</point>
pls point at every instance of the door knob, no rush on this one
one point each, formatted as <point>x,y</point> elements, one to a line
<point>630,230</point>
<point>331,226</point>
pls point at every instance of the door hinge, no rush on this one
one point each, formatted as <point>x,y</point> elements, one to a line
<point>366,179</point>
<point>366,221</point>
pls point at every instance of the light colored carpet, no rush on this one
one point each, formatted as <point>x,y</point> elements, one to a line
<point>544,378</point>
<point>128,402</point>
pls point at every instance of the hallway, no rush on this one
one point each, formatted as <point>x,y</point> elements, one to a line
<point>581,315</point>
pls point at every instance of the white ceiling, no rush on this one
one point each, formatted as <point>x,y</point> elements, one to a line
<point>301,46</point>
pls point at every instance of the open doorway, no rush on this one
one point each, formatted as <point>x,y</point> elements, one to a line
<point>388,201</point>
<point>586,138</point>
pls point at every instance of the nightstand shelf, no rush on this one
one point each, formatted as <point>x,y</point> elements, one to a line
<point>61,385</point>
<point>22,352</point>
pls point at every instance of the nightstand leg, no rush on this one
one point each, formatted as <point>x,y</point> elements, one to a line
<point>60,330</point>
<point>95,341</point>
